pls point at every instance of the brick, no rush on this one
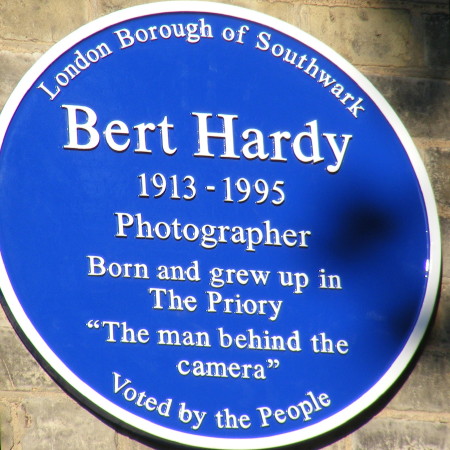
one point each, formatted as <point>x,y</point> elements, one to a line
<point>387,434</point>
<point>437,161</point>
<point>427,387</point>
<point>127,443</point>
<point>41,20</point>
<point>440,333</point>
<point>437,39</point>
<point>339,445</point>
<point>59,423</point>
<point>18,369</point>
<point>4,322</point>
<point>431,5</point>
<point>109,6</point>
<point>287,11</point>
<point>422,104</point>
<point>12,67</point>
<point>6,427</point>
<point>445,238</point>
<point>365,36</point>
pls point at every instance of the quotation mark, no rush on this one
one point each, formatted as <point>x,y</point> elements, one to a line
<point>273,363</point>
<point>93,324</point>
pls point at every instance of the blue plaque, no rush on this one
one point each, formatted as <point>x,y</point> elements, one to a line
<point>214,230</point>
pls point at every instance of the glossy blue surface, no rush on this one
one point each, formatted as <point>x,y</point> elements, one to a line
<point>368,224</point>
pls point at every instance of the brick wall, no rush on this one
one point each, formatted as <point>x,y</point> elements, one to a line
<point>403,47</point>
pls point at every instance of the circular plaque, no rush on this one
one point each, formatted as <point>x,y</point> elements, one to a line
<point>214,230</point>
